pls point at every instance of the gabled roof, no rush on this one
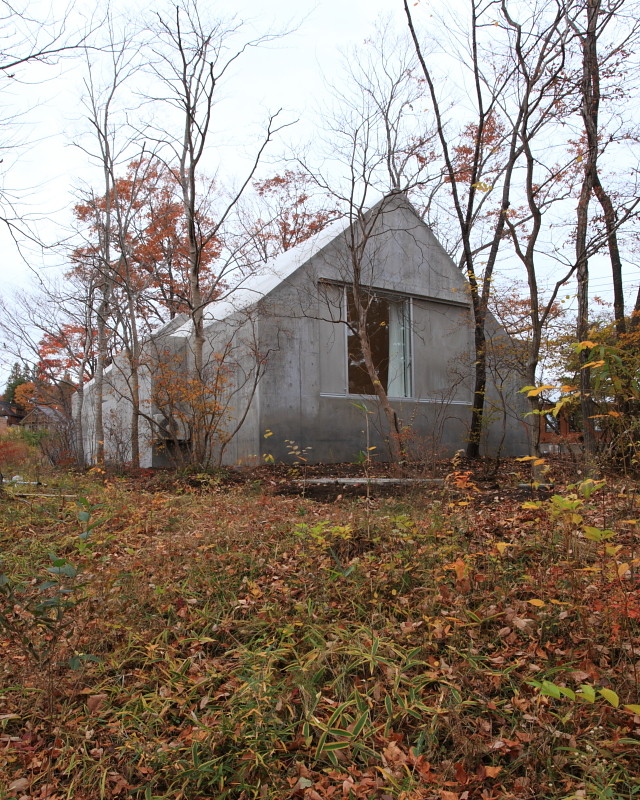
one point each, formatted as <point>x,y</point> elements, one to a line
<point>52,415</point>
<point>258,285</point>
<point>9,410</point>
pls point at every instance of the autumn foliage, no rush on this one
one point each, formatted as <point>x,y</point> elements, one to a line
<point>193,408</point>
<point>293,212</point>
<point>61,352</point>
<point>149,240</point>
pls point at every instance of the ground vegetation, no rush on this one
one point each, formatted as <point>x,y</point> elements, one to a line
<point>221,635</point>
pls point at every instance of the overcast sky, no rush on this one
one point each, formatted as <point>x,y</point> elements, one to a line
<point>44,168</point>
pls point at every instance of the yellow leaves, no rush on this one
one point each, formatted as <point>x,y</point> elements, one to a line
<point>536,461</point>
<point>587,693</point>
<point>482,186</point>
<point>593,364</point>
<point>622,570</point>
<point>634,709</point>
<point>535,391</point>
<point>501,547</point>
<point>536,602</point>
<point>597,534</point>
<point>610,696</point>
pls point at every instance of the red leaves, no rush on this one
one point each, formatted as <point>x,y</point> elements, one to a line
<point>149,239</point>
<point>293,215</point>
<point>64,350</point>
<point>465,162</point>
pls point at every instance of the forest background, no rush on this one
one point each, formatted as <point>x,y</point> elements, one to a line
<point>511,128</point>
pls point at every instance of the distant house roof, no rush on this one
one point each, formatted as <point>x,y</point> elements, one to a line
<point>9,410</point>
<point>47,414</point>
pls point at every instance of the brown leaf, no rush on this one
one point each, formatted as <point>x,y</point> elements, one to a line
<point>579,675</point>
<point>393,755</point>
<point>96,702</point>
<point>20,785</point>
<point>461,774</point>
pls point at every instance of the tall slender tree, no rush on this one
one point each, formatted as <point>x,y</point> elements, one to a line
<point>193,57</point>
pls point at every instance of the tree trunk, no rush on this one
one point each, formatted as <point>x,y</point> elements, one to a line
<point>393,425</point>
<point>590,90</point>
<point>78,428</point>
<point>99,381</point>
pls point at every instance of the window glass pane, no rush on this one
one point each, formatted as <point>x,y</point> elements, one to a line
<point>551,424</point>
<point>398,350</point>
<point>388,332</point>
<point>378,331</point>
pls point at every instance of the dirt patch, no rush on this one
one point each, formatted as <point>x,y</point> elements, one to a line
<point>486,481</point>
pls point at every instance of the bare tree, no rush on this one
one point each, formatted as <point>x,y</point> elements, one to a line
<point>590,25</point>
<point>193,56</point>
<point>378,146</point>
<point>106,220</point>
<point>24,42</point>
<point>467,177</point>
<point>528,80</point>
<point>53,327</point>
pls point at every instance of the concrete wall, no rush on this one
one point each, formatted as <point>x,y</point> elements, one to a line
<point>234,345</point>
<point>117,416</point>
<point>296,336</point>
<point>303,395</point>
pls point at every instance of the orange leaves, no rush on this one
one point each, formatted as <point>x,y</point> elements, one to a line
<point>462,481</point>
<point>463,574</point>
<point>65,350</point>
<point>465,162</point>
<point>24,395</point>
<point>293,214</point>
<point>148,239</point>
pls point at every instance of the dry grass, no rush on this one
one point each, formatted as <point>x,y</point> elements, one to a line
<point>234,643</point>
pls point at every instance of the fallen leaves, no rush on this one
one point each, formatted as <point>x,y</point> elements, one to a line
<point>96,702</point>
<point>236,644</point>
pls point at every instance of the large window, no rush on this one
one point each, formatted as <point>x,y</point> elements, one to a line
<point>389,333</point>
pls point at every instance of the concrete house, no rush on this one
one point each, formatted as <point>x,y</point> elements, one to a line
<point>293,370</point>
